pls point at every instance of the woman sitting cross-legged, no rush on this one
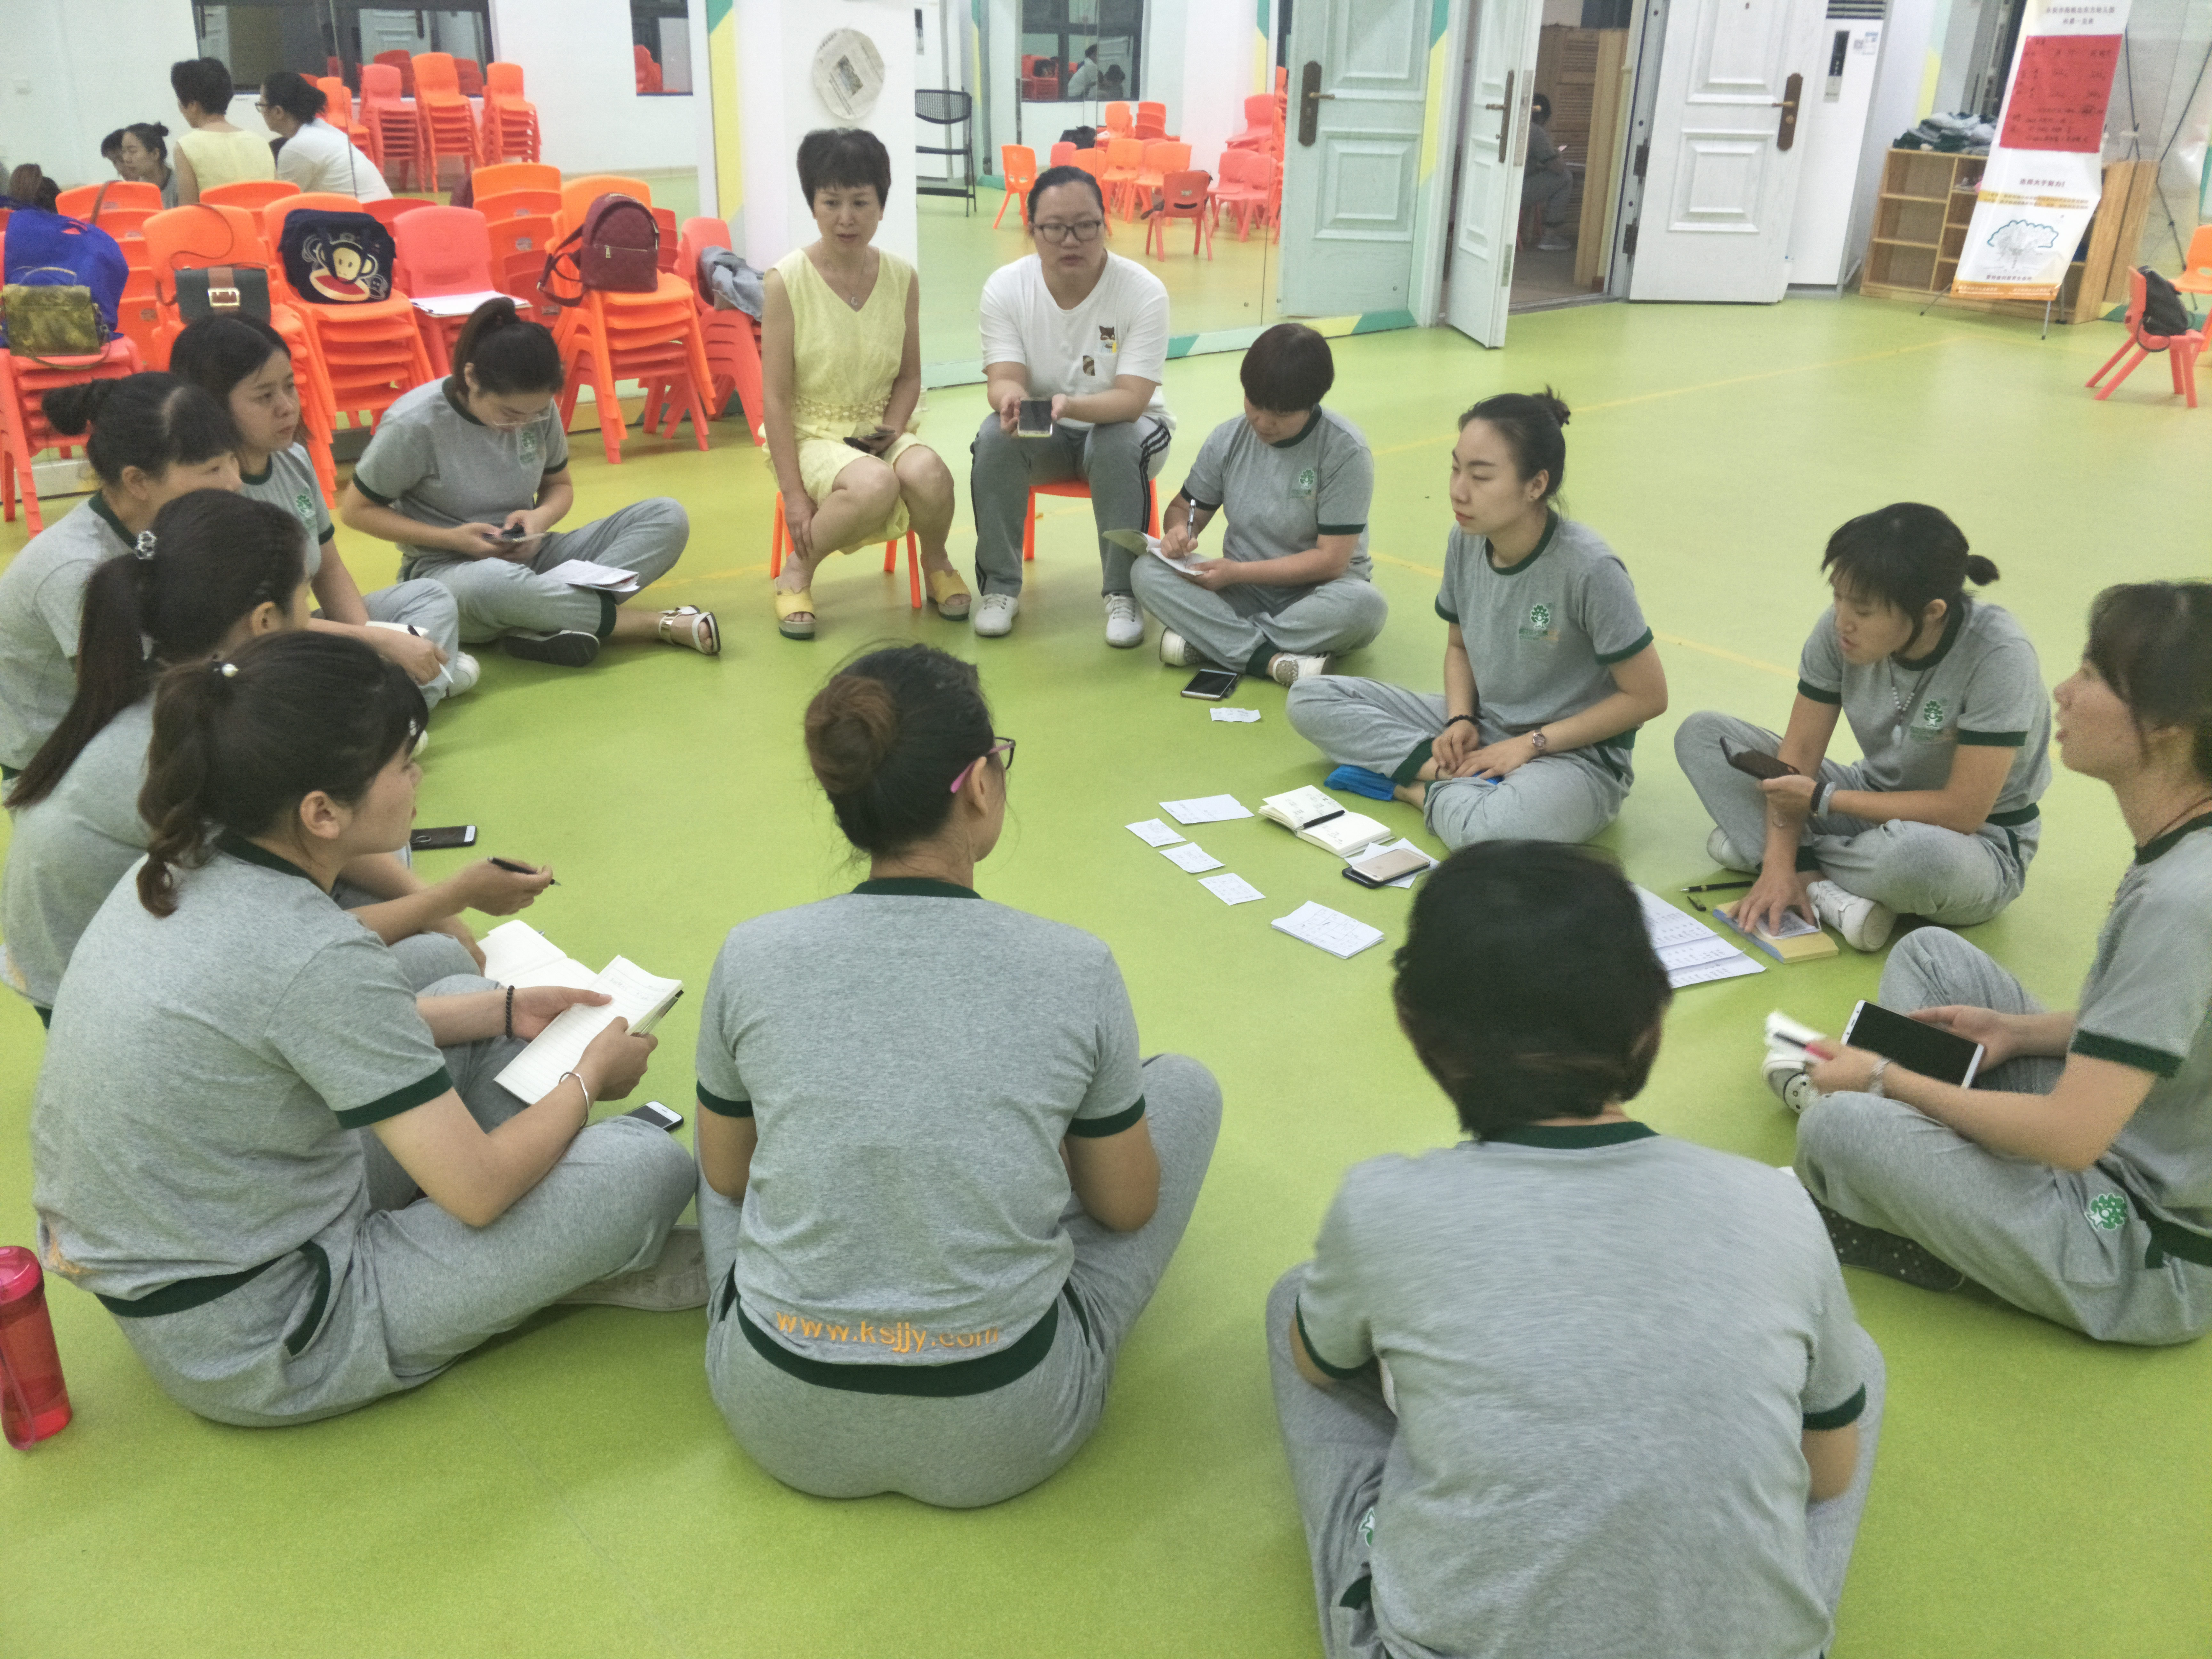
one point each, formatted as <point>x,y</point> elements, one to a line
<point>225,1034</point>
<point>841,376</point>
<point>930,1225</point>
<point>2074,1178</point>
<point>1569,1386</point>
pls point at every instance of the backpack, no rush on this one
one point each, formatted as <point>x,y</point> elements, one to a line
<point>47,250</point>
<point>618,250</point>
<point>1081,138</point>
<point>2163,312</point>
<point>336,259</point>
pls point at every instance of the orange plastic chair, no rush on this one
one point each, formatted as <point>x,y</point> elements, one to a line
<point>1186,195</point>
<point>1063,155</point>
<point>442,251</point>
<point>516,204</point>
<point>1079,489</point>
<point>371,351</point>
<point>508,177</point>
<point>1018,166</point>
<point>731,339</point>
<point>338,108</point>
<point>392,208</point>
<point>117,195</point>
<point>519,249</point>
<point>401,64</point>
<point>2181,349</point>
<point>1168,155</point>
<point>391,131</point>
<point>448,120</point>
<point>510,119</point>
<point>666,218</point>
<point>578,194</point>
<point>652,338</point>
<point>1151,110</point>
<point>1118,120</point>
<point>647,68</point>
<point>24,434</point>
<point>1093,162</point>
<point>470,73</point>
<point>251,194</point>
<point>1260,132</point>
<point>1125,160</point>
<point>777,545</point>
<point>2195,268</point>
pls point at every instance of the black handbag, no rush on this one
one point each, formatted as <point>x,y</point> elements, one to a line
<point>223,291</point>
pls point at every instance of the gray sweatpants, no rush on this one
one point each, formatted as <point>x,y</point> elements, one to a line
<point>1383,727</point>
<point>964,1452</point>
<point>1337,1440</point>
<point>2037,1235</point>
<point>394,1290</point>
<point>1916,869</point>
<point>1243,627</point>
<point>1552,190</point>
<point>424,958</point>
<point>1118,461</point>
<point>495,595</point>
<point>429,609</point>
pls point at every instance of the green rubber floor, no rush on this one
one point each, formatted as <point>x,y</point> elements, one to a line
<point>571,1489</point>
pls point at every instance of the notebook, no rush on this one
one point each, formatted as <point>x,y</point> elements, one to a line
<point>1317,818</point>
<point>636,996</point>
<point>1691,953</point>
<point>515,953</point>
<point>1795,940</point>
<point>1334,932</point>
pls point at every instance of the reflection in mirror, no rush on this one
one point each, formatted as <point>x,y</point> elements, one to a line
<point>1080,51</point>
<point>336,37</point>
<point>660,41</point>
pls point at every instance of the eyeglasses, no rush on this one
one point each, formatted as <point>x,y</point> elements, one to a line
<point>262,107</point>
<point>1084,230</point>
<point>999,746</point>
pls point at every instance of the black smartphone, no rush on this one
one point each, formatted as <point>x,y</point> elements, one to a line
<point>657,1114</point>
<point>1760,765</point>
<point>445,835</point>
<point>513,533</point>
<point>1213,684</point>
<point>1927,1050</point>
<point>1034,419</point>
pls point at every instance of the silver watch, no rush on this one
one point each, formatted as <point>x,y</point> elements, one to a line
<point>1538,741</point>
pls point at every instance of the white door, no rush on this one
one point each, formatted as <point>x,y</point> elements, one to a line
<point>383,30</point>
<point>1360,76</point>
<point>1493,145</point>
<point>1715,219</point>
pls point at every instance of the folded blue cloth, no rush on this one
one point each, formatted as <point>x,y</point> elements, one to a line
<point>1361,781</point>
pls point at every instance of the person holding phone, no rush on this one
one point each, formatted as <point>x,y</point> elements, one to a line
<point>245,362</point>
<point>1945,696</point>
<point>1549,668</point>
<point>1546,181</point>
<point>443,476</point>
<point>841,379</point>
<point>327,1196</point>
<point>1087,330</point>
<point>929,1228</point>
<point>1294,586</point>
<point>2075,1179</point>
<point>1568,1386</point>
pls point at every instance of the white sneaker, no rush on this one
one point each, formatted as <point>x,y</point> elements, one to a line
<point>994,614</point>
<point>1174,650</point>
<point>1784,1070</point>
<point>1125,623</point>
<point>462,673</point>
<point>676,1281</point>
<point>1285,669</point>
<point>1721,851</point>
<point>1864,924</point>
<point>1553,244</point>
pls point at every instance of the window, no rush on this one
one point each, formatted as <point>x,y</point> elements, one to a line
<point>1080,51</point>
<point>254,38</point>
<point>661,30</point>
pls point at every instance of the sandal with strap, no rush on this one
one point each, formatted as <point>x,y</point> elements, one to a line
<point>945,591</point>
<point>705,637</point>
<point>790,605</point>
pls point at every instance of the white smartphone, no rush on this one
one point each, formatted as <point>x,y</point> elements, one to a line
<point>660,1116</point>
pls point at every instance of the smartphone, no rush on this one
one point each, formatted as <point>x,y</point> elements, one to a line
<point>513,533</point>
<point>437,839</point>
<point>657,1114</point>
<point>1380,869</point>
<point>1213,684</point>
<point>1035,419</point>
<point>1927,1050</point>
<point>1759,765</point>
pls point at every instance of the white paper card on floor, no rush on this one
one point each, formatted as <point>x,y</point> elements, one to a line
<point>1334,932</point>
<point>1154,833</point>
<point>1190,856</point>
<point>1234,716</point>
<point>584,573</point>
<point>1204,809</point>
<point>1231,889</point>
<point>636,996</point>
<point>1690,952</point>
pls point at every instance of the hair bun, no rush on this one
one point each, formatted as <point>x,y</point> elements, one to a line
<point>71,410</point>
<point>1554,405</point>
<point>852,726</point>
<point>1980,571</point>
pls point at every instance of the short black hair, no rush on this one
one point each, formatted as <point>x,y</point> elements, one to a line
<point>112,144</point>
<point>1287,369</point>
<point>296,95</point>
<point>1906,555</point>
<point>1528,984</point>
<point>201,80</point>
<point>513,355</point>
<point>829,157</point>
<point>2152,643</point>
<point>1053,178</point>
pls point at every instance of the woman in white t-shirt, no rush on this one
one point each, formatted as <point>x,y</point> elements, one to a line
<point>316,155</point>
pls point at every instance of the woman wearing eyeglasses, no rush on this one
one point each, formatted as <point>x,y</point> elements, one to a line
<point>939,1185</point>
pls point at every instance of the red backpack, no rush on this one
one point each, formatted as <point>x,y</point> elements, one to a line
<point>617,248</point>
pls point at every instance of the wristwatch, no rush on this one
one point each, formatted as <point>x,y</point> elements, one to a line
<point>1538,741</point>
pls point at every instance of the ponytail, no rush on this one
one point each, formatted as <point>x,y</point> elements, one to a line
<point>151,422</point>
<point>511,354</point>
<point>238,744</point>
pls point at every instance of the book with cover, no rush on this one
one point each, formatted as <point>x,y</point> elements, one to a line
<point>1795,940</point>
<point>1313,816</point>
<point>517,954</point>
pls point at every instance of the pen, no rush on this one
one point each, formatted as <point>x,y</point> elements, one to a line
<point>1323,818</point>
<point>510,866</point>
<point>1712,887</point>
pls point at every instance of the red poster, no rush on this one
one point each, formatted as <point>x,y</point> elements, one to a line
<point>2060,91</point>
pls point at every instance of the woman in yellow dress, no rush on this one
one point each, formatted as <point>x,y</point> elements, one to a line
<point>841,370</point>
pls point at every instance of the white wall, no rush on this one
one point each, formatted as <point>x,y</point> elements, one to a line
<point>71,74</point>
<point>578,69</point>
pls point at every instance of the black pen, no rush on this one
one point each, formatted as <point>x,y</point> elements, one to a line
<point>521,870</point>
<point>1323,818</point>
<point>1717,886</point>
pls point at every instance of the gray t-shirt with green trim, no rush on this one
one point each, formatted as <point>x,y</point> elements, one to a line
<point>1605,1345</point>
<point>1543,634</point>
<point>912,1055</point>
<point>41,609</point>
<point>1981,686</point>
<point>1280,499</point>
<point>2148,1003</point>
<point>290,481</point>
<point>67,852</point>
<point>206,1071</point>
<point>431,461</point>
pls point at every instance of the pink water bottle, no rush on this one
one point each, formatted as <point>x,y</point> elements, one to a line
<point>33,1401</point>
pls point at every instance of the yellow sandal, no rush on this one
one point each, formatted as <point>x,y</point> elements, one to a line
<point>944,588</point>
<point>790,605</point>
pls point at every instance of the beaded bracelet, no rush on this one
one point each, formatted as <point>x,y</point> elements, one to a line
<point>510,1012</point>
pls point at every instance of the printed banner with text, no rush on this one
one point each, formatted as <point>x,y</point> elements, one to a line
<point>2045,172</point>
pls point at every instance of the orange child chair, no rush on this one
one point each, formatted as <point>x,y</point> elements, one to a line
<point>24,433</point>
<point>504,190</point>
<point>649,69</point>
<point>2181,349</point>
<point>448,121</point>
<point>371,352</point>
<point>1260,131</point>
<point>1118,120</point>
<point>1018,166</point>
<point>1186,195</point>
<point>251,194</point>
<point>1167,156</point>
<point>1079,489</point>
<point>731,339</point>
<point>400,63</point>
<point>777,546</point>
<point>510,119</point>
<point>652,338</point>
<point>666,218</point>
<point>391,131</point>
<point>392,208</point>
<point>470,73</point>
<point>443,251</point>
<point>2195,269</point>
<point>1125,160</point>
<point>117,195</point>
<point>1242,190</point>
<point>1063,155</point>
<point>338,106</point>
<point>1093,162</point>
<point>519,247</point>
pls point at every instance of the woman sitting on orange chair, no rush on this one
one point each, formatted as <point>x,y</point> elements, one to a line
<point>841,373</point>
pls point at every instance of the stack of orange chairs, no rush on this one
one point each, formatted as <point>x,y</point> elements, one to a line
<point>1248,188</point>
<point>1119,122</point>
<point>185,237</point>
<point>470,73</point>
<point>24,433</point>
<point>124,206</point>
<point>510,120</point>
<point>448,122</point>
<point>731,339</point>
<point>652,338</point>
<point>398,60</point>
<point>1125,160</point>
<point>391,133</point>
<point>520,201</point>
<point>1152,122</point>
<point>251,194</point>
<point>338,109</point>
<point>370,352</point>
